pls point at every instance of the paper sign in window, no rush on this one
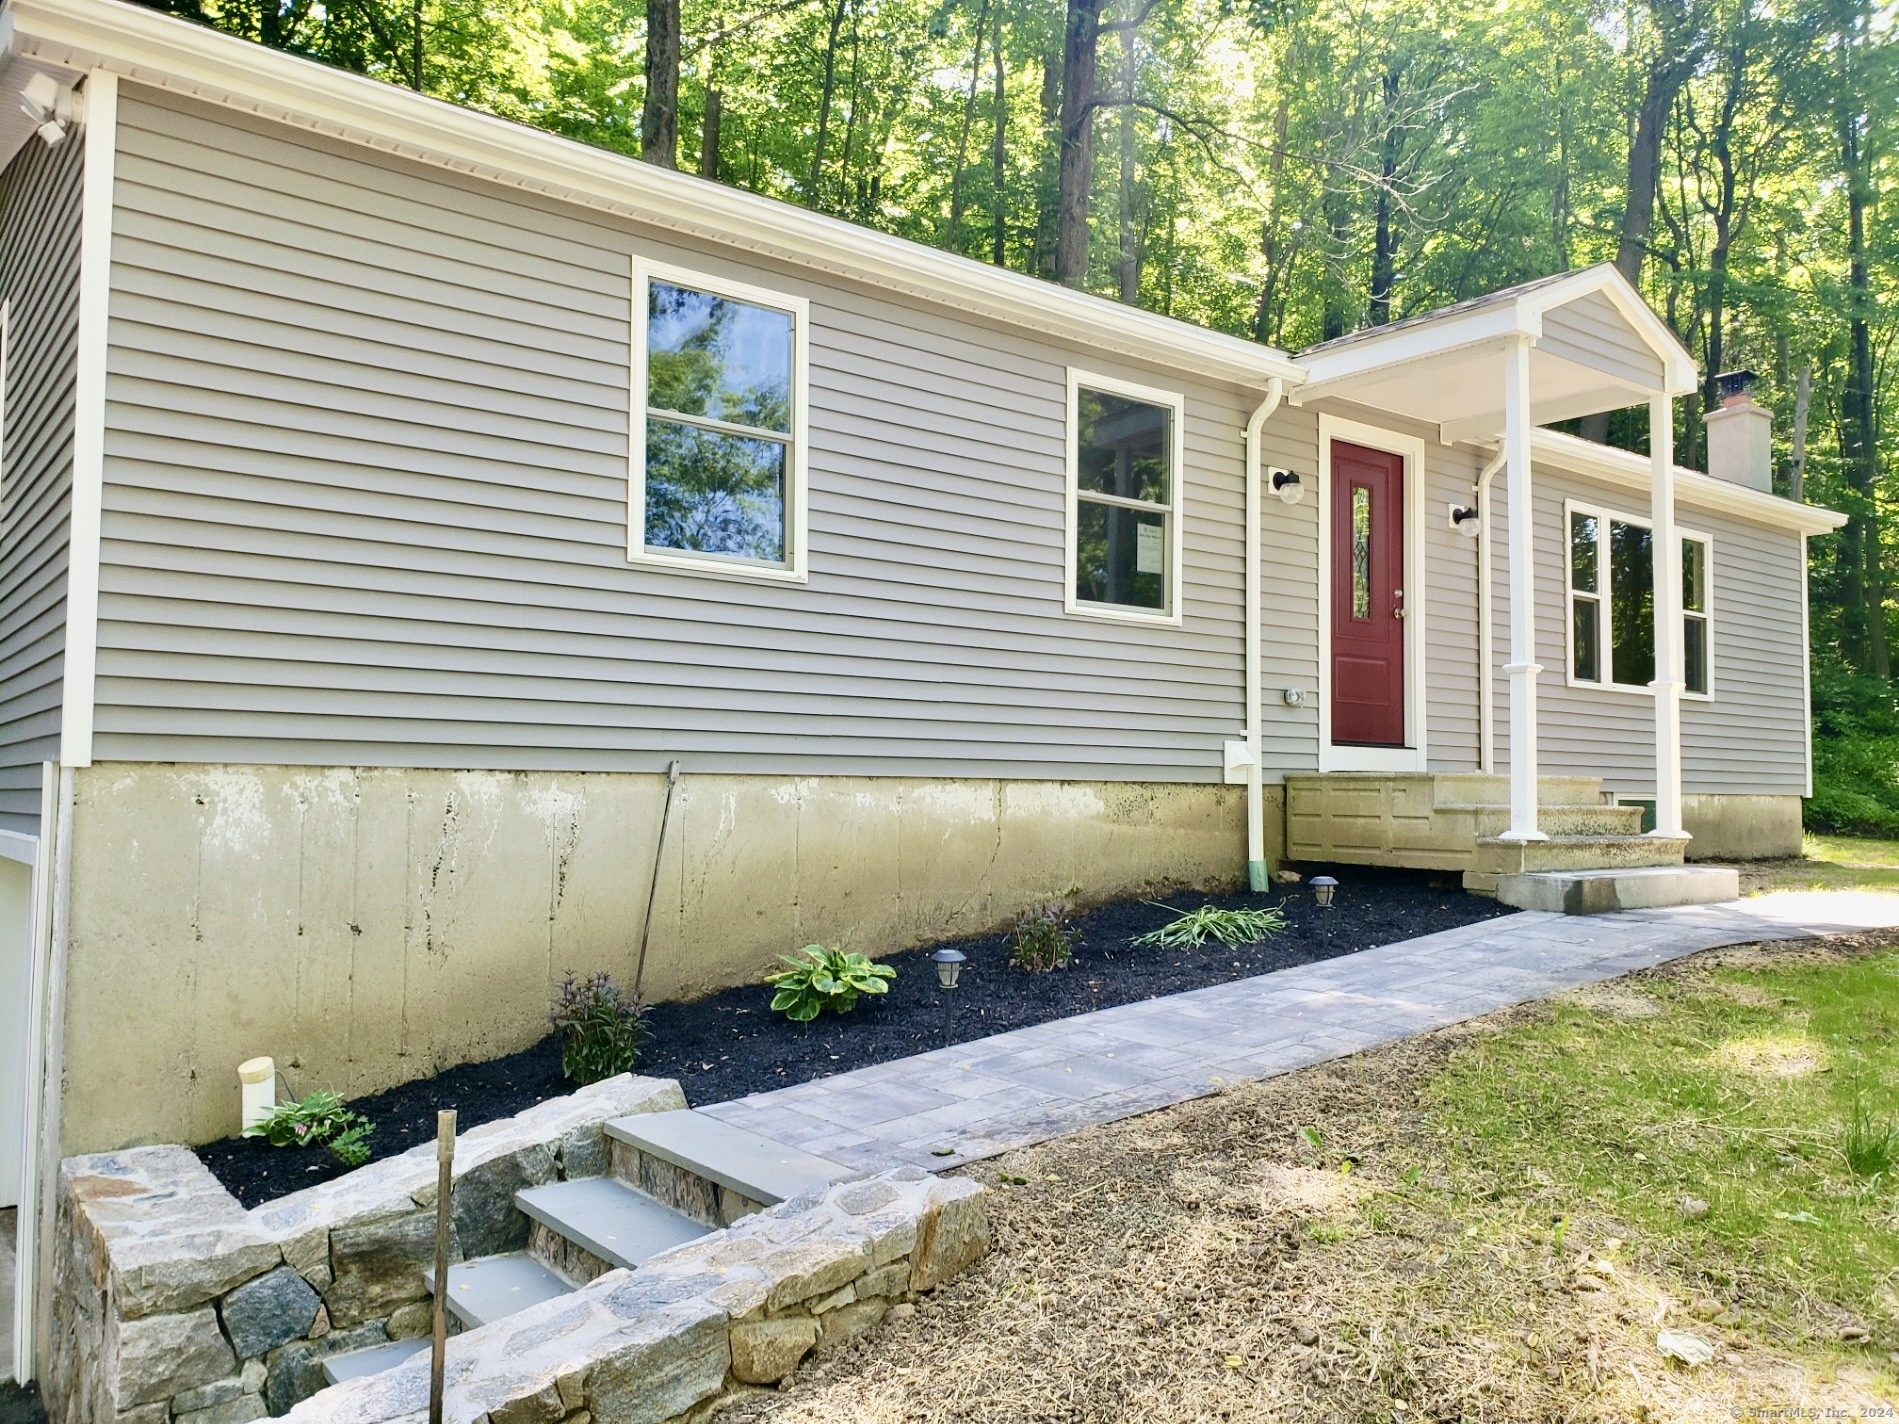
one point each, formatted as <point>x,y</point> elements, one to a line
<point>1148,555</point>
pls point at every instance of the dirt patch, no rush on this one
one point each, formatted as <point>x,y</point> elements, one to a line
<point>1775,1056</point>
<point>1618,1001</point>
<point>1312,1248</point>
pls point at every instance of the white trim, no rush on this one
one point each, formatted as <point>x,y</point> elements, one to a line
<point>1703,491</point>
<point>1413,755</point>
<point>1175,509</point>
<point>192,59</point>
<point>39,1161</point>
<point>1806,666</point>
<point>89,418</point>
<point>796,568</point>
<point>1678,365</point>
<point>1603,514</point>
<point>1258,878</point>
<point>16,846</point>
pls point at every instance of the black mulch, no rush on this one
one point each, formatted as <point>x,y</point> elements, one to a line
<point>730,1044</point>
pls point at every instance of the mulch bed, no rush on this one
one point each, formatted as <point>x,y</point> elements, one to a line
<point>730,1044</point>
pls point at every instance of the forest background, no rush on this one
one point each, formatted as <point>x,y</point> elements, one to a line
<point>1290,170</point>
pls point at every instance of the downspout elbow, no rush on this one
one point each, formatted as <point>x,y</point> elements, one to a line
<point>1258,870</point>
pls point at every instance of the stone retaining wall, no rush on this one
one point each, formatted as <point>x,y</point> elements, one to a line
<point>172,1302</point>
<point>661,1345</point>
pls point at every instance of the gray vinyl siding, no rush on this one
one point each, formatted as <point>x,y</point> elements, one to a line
<point>366,504</point>
<point>1593,332</point>
<point>39,277</point>
<point>1748,738</point>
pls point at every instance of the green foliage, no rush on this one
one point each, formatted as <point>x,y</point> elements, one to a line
<point>1868,1143</point>
<point>1042,939</point>
<point>318,1120</point>
<point>825,979</point>
<point>601,1025</point>
<point>1855,754</point>
<point>1189,929</point>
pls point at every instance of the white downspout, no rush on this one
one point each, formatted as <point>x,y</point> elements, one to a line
<point>1258,878</point>
<point>1665,552</point>
<point>1522,667</point>
<point>1486,731</point>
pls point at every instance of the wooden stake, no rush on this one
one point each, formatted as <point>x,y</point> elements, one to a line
<point>444,1194</point>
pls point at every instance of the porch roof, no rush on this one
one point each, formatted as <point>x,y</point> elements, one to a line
<point>1594,346</point>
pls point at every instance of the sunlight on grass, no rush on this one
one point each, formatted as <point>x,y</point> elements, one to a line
<point>1768,1094</point>
<point>1830,863</point>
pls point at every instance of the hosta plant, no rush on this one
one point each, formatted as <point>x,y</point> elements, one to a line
<point>319,1120</point>
<point>1189,929</point>
<point>821,978</point>
<point>601,1026</point>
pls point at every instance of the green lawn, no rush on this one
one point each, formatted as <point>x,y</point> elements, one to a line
<point>1830,863</point>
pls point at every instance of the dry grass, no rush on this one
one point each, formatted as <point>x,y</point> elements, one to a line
<point>1324,1246</point>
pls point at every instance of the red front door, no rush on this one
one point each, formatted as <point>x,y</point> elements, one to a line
<point>1367,596</point>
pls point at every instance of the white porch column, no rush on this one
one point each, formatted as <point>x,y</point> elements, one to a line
<point>1670,676</point>
<point>1522,667</point>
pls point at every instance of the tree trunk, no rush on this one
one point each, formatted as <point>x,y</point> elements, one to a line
<point>955,231</point>
<point>1803,404</point>
<point>1265,315</point>
<point>1859,452</point>
<point>1076,172</point>
<point>1338,224</point>
<point>709,132</point>
<point>659,119</point>
<point>1048,183</point>
<point>999,163</point>
<point>415,48</point>
<point>1384,265</point>
<point>1130,264</point>
<point>824,103</point>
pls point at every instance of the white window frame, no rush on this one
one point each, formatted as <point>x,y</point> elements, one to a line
<point>796,568</point>
<point>1605,615</point>
<point>1175,509</point>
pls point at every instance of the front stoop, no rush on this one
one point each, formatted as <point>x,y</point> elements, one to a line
<point>1597,892</point>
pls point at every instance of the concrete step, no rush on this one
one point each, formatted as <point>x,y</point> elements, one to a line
<point>1596,892</point>
<point>607,1220</point>
<point>354,1364</point>
<point>1495,857</point>
<point>709,1169</point>
<point>1592,819</point>
<point>490,1288</point>
<point>1477,788</point>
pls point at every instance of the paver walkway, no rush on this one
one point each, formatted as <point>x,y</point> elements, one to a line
<point>992,1094</point>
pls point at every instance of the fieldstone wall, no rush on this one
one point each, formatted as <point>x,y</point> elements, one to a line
<point>173,1303</point>
<point>738,1309</point>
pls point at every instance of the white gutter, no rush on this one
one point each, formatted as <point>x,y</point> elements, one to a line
<point>1258,872</point>
<point>1486,733</point>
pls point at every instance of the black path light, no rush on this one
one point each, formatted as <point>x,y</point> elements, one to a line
<point>1323,888</point>
<point>949,968</point>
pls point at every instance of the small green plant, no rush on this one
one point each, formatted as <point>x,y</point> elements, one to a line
<point>1042,939</point>
<point>318,1120</point>
<point>1189,929</point>
<point>1869,1143</point>
<point>825,979</point>
<point>601,1026</point>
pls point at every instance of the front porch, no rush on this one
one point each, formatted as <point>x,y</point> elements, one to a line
<point>1459,822</point>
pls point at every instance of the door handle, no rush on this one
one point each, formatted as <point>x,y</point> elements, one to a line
<point>1398,594</point>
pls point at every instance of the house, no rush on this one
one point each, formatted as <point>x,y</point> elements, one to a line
<point>390,497</point>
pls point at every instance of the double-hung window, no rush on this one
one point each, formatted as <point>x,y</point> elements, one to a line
<point>1124,510</point>
<point>718,430</point>
<point>1612,603</point>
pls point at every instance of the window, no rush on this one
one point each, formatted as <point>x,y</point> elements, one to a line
<point>1124,525</point>
<point>718,429</point>
<point>1612,603</point>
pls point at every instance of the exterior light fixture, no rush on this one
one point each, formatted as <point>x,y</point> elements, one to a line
<point>1323,888</point>
<point>1287,486</point>
<point>1466,520</point>
<point>949,967</point>
<point>48,107</point>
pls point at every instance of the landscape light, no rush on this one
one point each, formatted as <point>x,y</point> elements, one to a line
<point>1323,887</point>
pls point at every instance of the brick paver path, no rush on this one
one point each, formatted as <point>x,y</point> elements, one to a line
<point>989,1095</point>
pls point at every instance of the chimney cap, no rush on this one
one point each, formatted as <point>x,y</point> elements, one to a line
<point>1735,385</point>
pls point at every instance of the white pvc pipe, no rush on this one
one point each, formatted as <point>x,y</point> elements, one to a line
<point>1486,694</point>
<point>1258,873</point>
<point>257,1078</point>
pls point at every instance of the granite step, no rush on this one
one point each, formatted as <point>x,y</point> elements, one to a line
<point>1494,857</point>
<point>354,1364</point>
<point>1599,892</point>
<point>490,1288</point>
<point>711,1170</point>
<point>607,1219</point>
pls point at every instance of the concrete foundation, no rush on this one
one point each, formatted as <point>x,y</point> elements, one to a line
<point>1741,827</point>
<point>368,927</point>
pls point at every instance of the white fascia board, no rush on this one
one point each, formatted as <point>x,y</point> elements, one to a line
<point>1429,340</point>
<point>158,50</point>
<point>1624,467</point>
<point>1682,376</point>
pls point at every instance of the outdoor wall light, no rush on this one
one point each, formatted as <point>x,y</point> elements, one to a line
<point>1287,486</point>
<point>1323,888</point>
<point>949,967</point>
<point>1466,520</point>
<point>41,102</point>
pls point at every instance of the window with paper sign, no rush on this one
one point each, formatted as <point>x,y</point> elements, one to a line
<point>1123,504</point>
